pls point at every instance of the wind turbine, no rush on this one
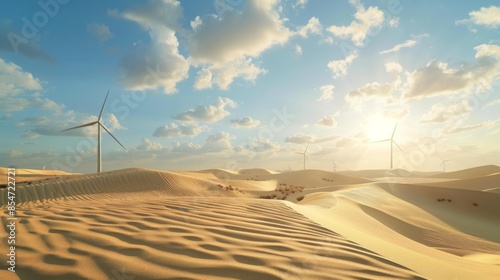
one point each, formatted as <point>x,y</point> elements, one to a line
<point>334,165</point>
<point>443,163</point>
<point>99,125</point>
<point>392,142</point>
<point>305,156</point>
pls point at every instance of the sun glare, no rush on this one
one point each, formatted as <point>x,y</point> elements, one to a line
<point>379,128</point>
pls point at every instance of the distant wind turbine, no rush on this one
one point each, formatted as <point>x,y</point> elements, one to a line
<point>443,163</point>
<point>392,142</point>
<point>99,125</point>
<point>305,156</point>
<point>334,165</point>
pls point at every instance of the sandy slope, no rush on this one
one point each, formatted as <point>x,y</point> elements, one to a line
<point>150,224</point>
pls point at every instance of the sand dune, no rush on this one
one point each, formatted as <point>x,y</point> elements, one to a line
<point>212,224</point>
<point>474,172</point>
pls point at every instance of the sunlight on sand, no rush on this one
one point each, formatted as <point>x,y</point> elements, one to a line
<point>218,224</point>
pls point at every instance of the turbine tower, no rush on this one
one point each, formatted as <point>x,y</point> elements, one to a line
<point>334,166</point>
<point>305,156</point>
<point>99,125</point>
<point>443,163</point>
<point>392,143</point>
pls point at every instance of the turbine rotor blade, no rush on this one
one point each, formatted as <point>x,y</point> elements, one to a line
<point>103,104</point>
<point>107,130</point>
<point>394,131</point>
<point>83,125</point>
<point>398,147</point>
<point>305,151</point>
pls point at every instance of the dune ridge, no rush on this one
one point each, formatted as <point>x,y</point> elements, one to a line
<point>213,224</point>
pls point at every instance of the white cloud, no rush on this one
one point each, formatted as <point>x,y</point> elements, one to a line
<point>173,130</point>
<point>366,20</point>
<point>339,67</point>
<point>226,45</point>
<point>436,78</point>
<point>221,141</point>
<point>115,123</point>
<point>300,3</point>
<point>326,92</point>
<point>406,44</point>
<point>13,79</point>
<point>457,127</point>
<point>244,122</point>
<point>148,145</point>
<point>489,17</point>
<point>13,83</point>
<point>328,121</point>
<point>313,26</point>
<point>211,113</point>
<point>263,145</point>
<point>203,79</point>
<point>153,13</point>
<point>394,22</point>
<point>196,22</point>
<point>370,91</point>
<point>301,138</point>
<point>394,68</point>
<point>157,64</point>
<point>100,31</point>
<point>444,112</point>
<point>298,50</point>
<point>487,51</point>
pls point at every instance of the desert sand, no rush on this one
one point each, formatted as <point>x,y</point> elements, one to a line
<point>254,224</point>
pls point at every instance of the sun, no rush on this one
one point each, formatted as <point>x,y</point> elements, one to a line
<point>379,128</point>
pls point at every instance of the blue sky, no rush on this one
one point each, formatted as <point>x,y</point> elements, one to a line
<point>250,83</point>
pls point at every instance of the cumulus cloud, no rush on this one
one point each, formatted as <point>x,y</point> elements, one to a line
<point>301,138</point>
<point>157,64</point>
<point>225,45</point>
<point>339,67</point>
<point>148,145</point>
<point>115,123</point>
<point>366,20</point>
<point>313,26</point>
<point>370,91</point>
<point>173,130</point>
<point>396,48</point>
<point>100,31</point>
<point>13,79</point>
<point>326,92</point>
<point>263,145</point>
<point>224,76</point>
<point>328,121</point>
<point>244,122</point>
<point>443,112</point>
<point>211,113</point>
<point>489,17</point>
<point>218,142</point>
<point>436,78</point>
<point>203,79</point>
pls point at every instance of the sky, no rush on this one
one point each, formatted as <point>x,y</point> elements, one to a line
<point>238,84</point>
